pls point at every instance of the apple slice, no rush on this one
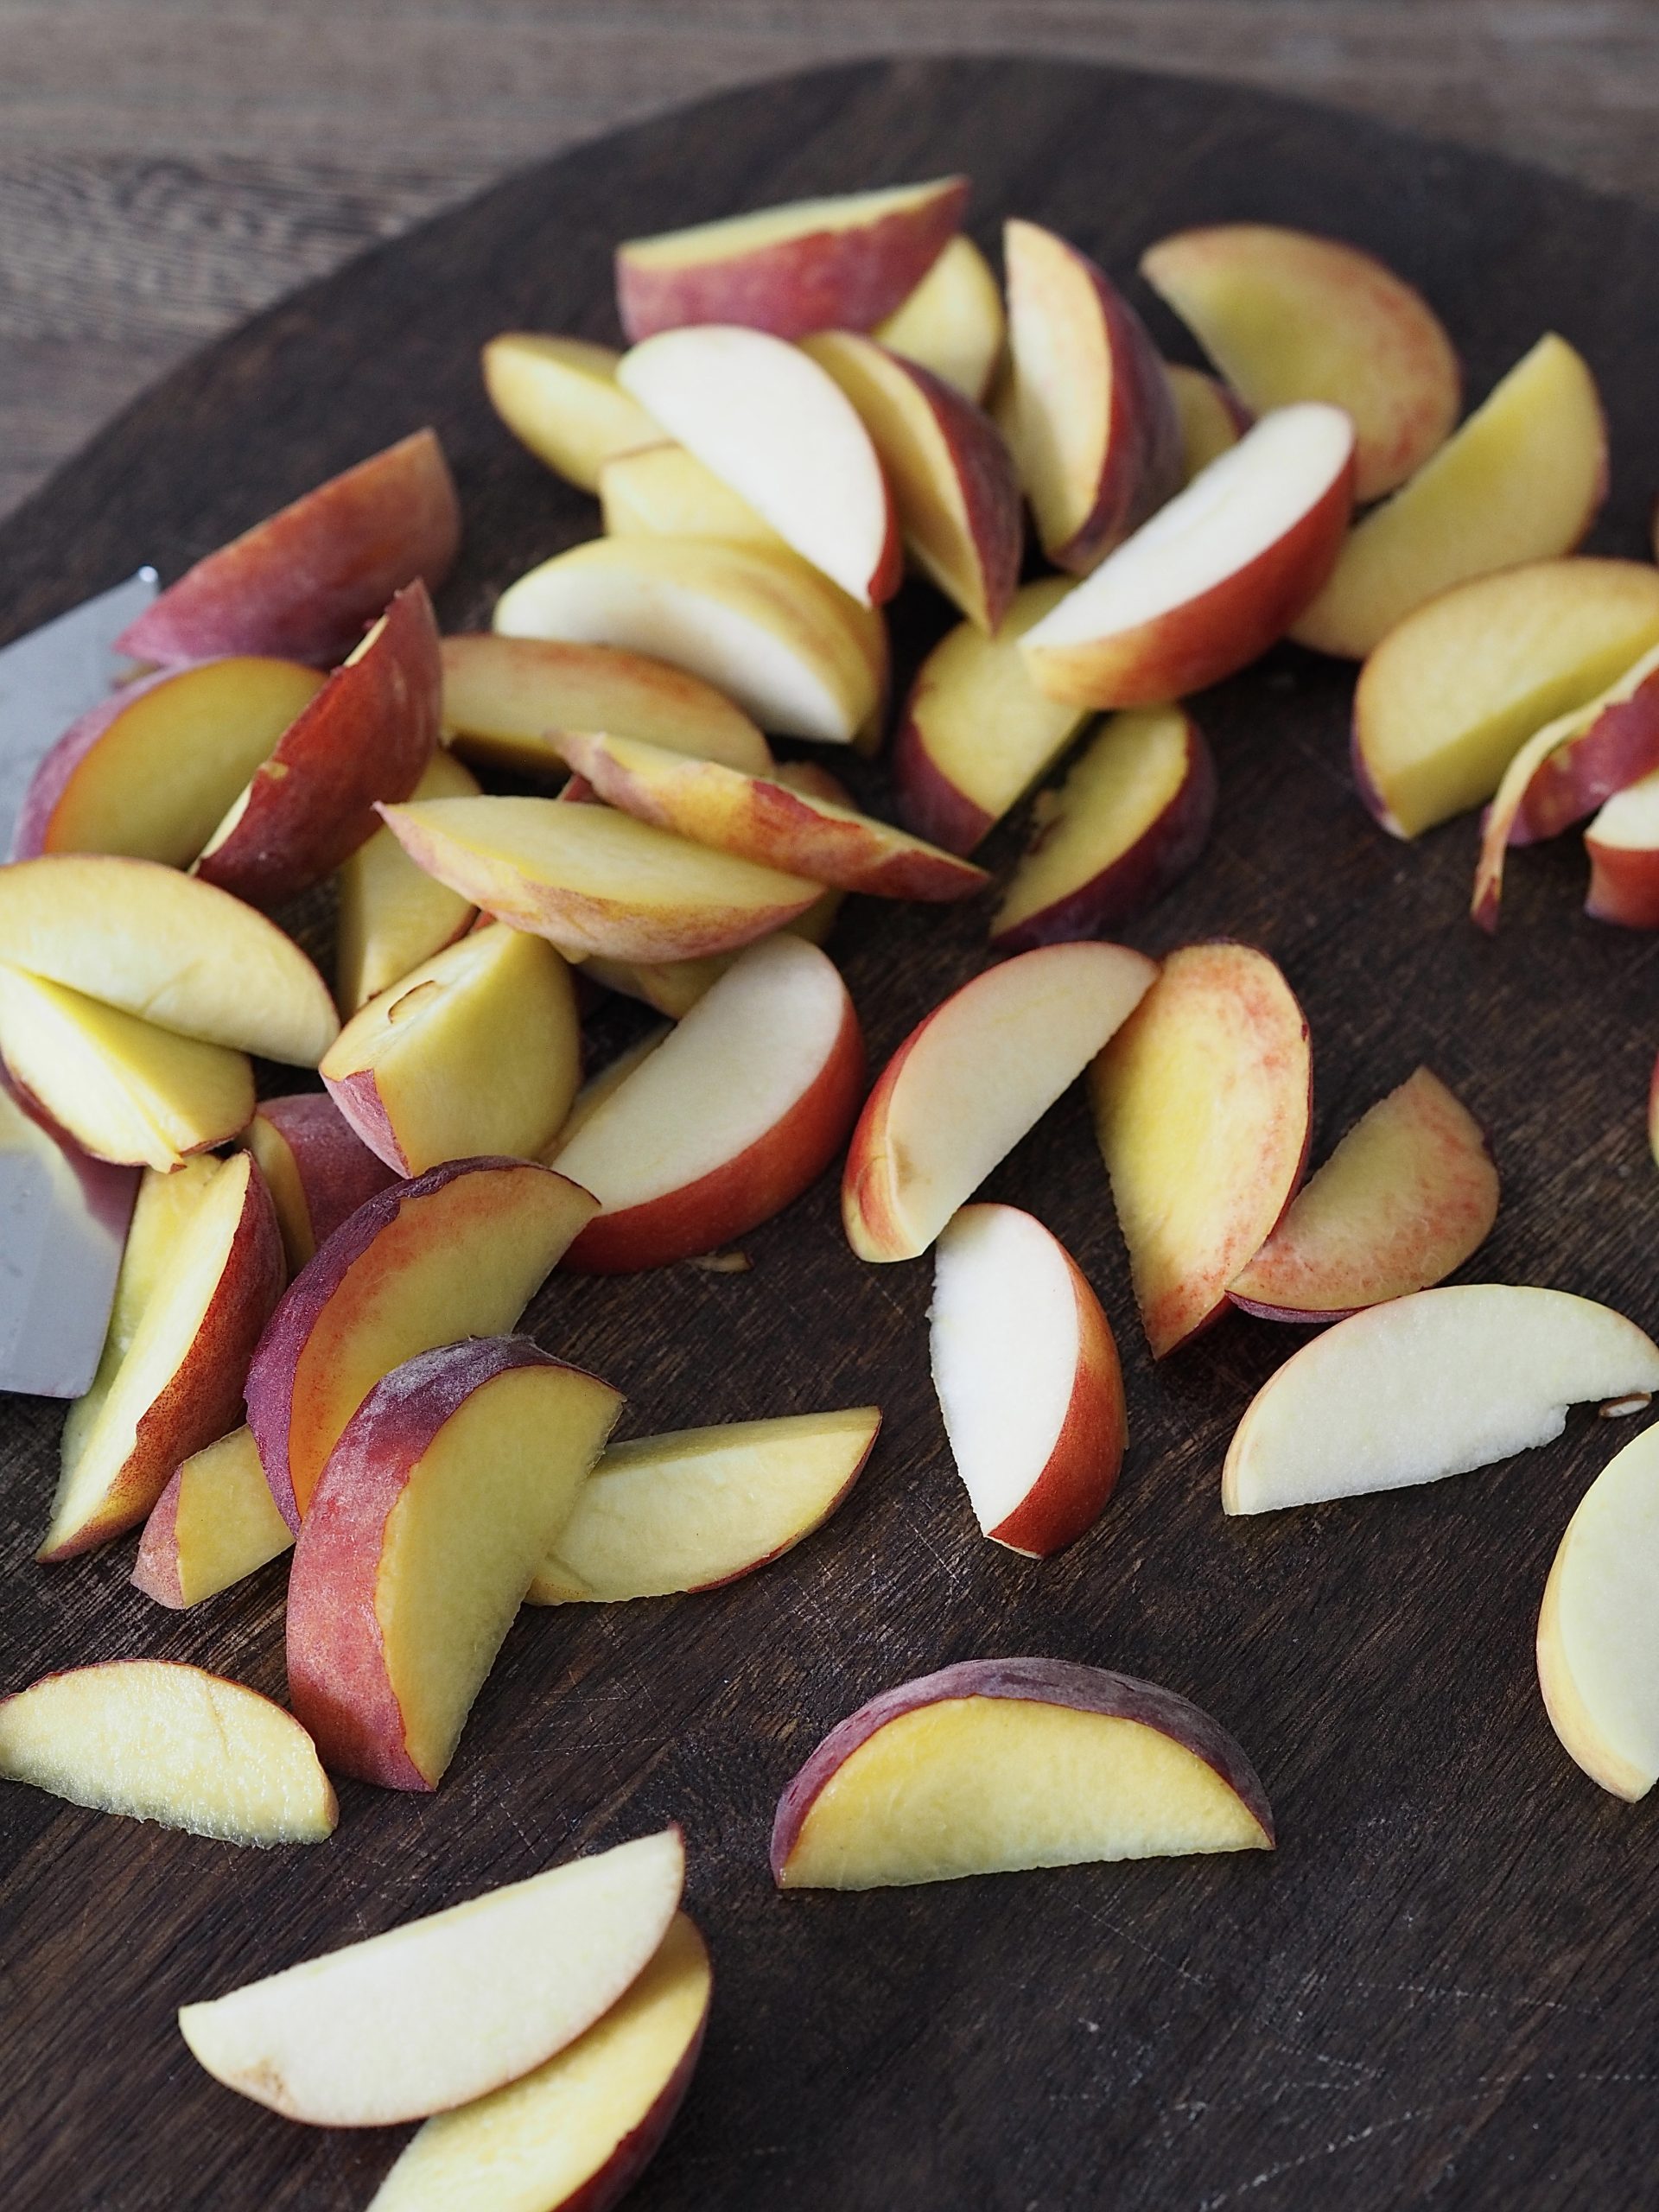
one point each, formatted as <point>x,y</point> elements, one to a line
<point>1128,822</point>
<point>393,915</point>
<point>441,1498</point>
<point>993,1766</point>
<point>742,1106</point>
<point>953,321</point>
<point>1286,315</point>
<point>1215,578</point>
<point>1203,1104</point>
<point>214,1524</point>
<point>448,2008</point>
<point>1523,480</point>
<point>1211,417</point>
<point>1087,408</point>
<point>1405,1197</point>
<point>841,263</point>
<point>663,491</point>
<point>1623,842</point>
<point>575,2134</point>
<point>1431,1385</point>
<point>1026,1366</point>
<point>971,1080</point>
<point>698,1508</point>
<point>774,426</point>
<point>560,398</point>
<point>1599,1628</point>
<point>801,657</point>
<point>162,1742</point>
<point>305,582</point>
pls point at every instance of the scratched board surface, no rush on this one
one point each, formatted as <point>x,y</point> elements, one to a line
<point>1441,1989</point>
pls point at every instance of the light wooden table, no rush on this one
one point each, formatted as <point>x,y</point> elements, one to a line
<point>167,166</point>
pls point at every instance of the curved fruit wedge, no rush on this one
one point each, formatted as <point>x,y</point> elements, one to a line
<point>1405,1197</point>
<point>1286,315</point>
<point>1623,842</point>
<point>1212,419</point>
<point>444,1494</point>
<point>316,1168</point>
<point>1431,1385</point>
<point>663,491</point>
<point>1202,1105</point>
<point>1523,480</point>
<point>699,1507</point>
<point>215,1522</point>
<point>443,2010</point>
<point>1599,1628</point>
<point>560,398</point>
<point>953,321</point>
<point>1026,1366</point>
<point>393,915</point>
<point>996,1766</point>
<point>576,2133</point>
<point>971,1080</point>
<point>162,1742</point>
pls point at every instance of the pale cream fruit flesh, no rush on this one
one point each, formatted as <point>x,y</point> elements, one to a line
<point>215,1524</point>
<point>560,398</point>
<point>953,322</point>
<point>392,914</point>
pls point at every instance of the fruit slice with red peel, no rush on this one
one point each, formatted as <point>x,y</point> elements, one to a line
<point>1203,1104</point>
<point>444,1494</point>
<point>1086,408</point>
<point>391,914</point>
<point>446,2008</point>
<point>1445,701</point>
<point>971,1080</point>
<point>1598,1627</point>
<point>836,264</point>
<point>215,1524</point>
<point>1287,315</point>
<point>1216,577</point>
<point>1523,480</point>
<point>1431,1385</point>
<point>997,1765</point>
<point>1211,417</point>
<point>1623,842</point>
<point>663,491</point>
<point>162,1742</point>
<point>459,1252</point>
<point>1405,1197</point>
<point>953,322</point>
<point>1027,1371</point>
<point>305,582</point>
<point>742,1106</point>
<point>698,1507</point>
<point>560,398</point>
<point>1129,820</point>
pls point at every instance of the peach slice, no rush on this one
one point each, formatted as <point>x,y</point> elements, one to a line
<point>440,1499</point>
<point>836,263</point>
<point>993,1766</point>
<point>151,771</point>
<point>1212,419</point>
<point>316,1168</point>
<point>214,1523</point>
<point>1431,1385</point>
<point>393,915</point>
<point>971,1080</point>
<point>1203,1104</point>
<point>1449,696</point>
<point>478,1050</point>
<point>162,1742</point>
<point>1286,315</point>
<point>1087,408</point>
<point>698,1507</point>
<point>802,657</point>
<point>1130,819</point>
<point>1026,1366</point>
<point>772,424</point>
<point>663,491</point>
<point>977,732</point>
<point>1405,1197</point>
<point>953,322</point>
<point>1215,578</point>
<point>446,2008</point>
<point>560,398</point>
<point>1598,1627</point>
<point>305,582</point>
<point>177,1383</point>
<point>1623,842</point>
<point>576,2133</point>
<point>1523,480</point>
<point>742,1106</point>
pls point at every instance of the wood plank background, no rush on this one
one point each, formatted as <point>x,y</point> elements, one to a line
<point>167,166</point>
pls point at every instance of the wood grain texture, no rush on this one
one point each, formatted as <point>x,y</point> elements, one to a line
<point>1439,1991</point>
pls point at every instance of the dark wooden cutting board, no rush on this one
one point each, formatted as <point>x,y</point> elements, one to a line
<point>1442,1988</point>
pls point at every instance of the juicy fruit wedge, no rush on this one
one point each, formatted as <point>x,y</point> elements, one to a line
<point>665,491</point>
<point>1211,417</point>
<point>215,1522</point>
<point>996,1766</point>
<point>317,1169</point>
<point>392,914</point>
<point>1623,842</point>
<point>953,321</point>
<point>560,398</point>
<point>1429,1386</point>
<point>448,2008</point>
<point>167,1743</point>
<point>699,1507</point>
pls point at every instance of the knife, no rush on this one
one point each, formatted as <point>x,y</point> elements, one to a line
<point>63,1215</point>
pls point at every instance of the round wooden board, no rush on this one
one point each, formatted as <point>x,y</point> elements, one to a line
<point>1441,1989</point>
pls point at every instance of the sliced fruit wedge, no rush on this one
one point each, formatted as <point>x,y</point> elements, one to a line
<point>560,398</point>
<point>664,491</point>
<point>953,322</point>
<point>393,915</point>
<point>317,1169</point>
<point>1212,418</point>
<point>215,1524</point>
<point>1623,842</point>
